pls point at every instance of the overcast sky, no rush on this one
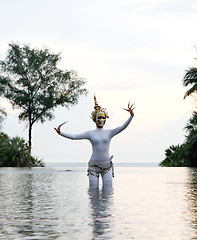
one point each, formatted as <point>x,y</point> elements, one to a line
<point>135,50</point>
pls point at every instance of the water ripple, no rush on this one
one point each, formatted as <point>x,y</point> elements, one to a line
<point>55,203</point>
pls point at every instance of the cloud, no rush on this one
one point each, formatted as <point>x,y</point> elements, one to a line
<point>156,7</point>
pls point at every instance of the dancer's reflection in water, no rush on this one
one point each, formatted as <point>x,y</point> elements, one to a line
<point>101,203</point>
<point>100,162</point>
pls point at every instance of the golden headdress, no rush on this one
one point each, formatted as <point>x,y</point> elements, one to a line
<point>98,109</point>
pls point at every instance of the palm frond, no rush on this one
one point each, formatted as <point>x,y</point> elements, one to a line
<point>190,77</point>
<point>191,91</point>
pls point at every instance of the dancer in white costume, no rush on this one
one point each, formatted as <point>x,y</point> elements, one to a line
<point>100,162</point>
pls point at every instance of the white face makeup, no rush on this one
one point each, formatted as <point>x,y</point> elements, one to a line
<point>100,119</point>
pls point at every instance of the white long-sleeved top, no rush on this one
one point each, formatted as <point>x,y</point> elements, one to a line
<point>100,140</point>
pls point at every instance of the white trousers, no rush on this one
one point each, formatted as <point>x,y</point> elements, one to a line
<point>106,179</point>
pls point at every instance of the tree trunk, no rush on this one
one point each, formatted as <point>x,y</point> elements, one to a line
<point>30,144</point>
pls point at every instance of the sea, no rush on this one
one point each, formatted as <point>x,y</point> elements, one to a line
<point>56,203</point>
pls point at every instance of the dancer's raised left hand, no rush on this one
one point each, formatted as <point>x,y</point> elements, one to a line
<point>130,108</point>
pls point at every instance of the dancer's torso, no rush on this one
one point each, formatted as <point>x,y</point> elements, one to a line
<point>100,140</point>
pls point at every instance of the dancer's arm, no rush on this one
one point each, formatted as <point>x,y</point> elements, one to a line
<point>75,136</point>
<point>70,135</point>
<point>121,128</point>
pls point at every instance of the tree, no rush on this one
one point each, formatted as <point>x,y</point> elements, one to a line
<point>176,156</point>
<point>191,139</point>
<point>190,78</point>
<point>33,83</point>
<point>2,116</point>
<point>14,152</point>
<point>184,155</point>
<point>2,110</point>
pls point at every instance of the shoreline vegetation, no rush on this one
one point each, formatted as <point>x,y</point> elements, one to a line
<point>14,152</point>
<point>185,155</point>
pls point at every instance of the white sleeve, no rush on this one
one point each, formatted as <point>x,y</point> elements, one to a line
<point>79,136</point>
<point>121,128</point>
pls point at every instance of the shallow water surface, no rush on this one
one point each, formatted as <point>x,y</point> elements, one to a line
<point>56,203</point>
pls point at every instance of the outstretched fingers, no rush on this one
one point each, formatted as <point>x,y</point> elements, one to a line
<point>129,105</point>
<point>130,108</point>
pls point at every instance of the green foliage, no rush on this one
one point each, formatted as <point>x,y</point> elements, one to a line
<point>190,79</point>
<point>14,152</point>
<point>33,83</point>
<point>184,155</point>
<point>2,110</point>
<point>191,139</point>
<point>35,162</point>
<point>175,156</point>
<point>2,116</point>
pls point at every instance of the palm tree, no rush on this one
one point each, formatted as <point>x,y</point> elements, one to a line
<point>175,156</point>
<point>20,152</point>
<point>190,78</point>
<point>191,139</point>
<point>14,152</point>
